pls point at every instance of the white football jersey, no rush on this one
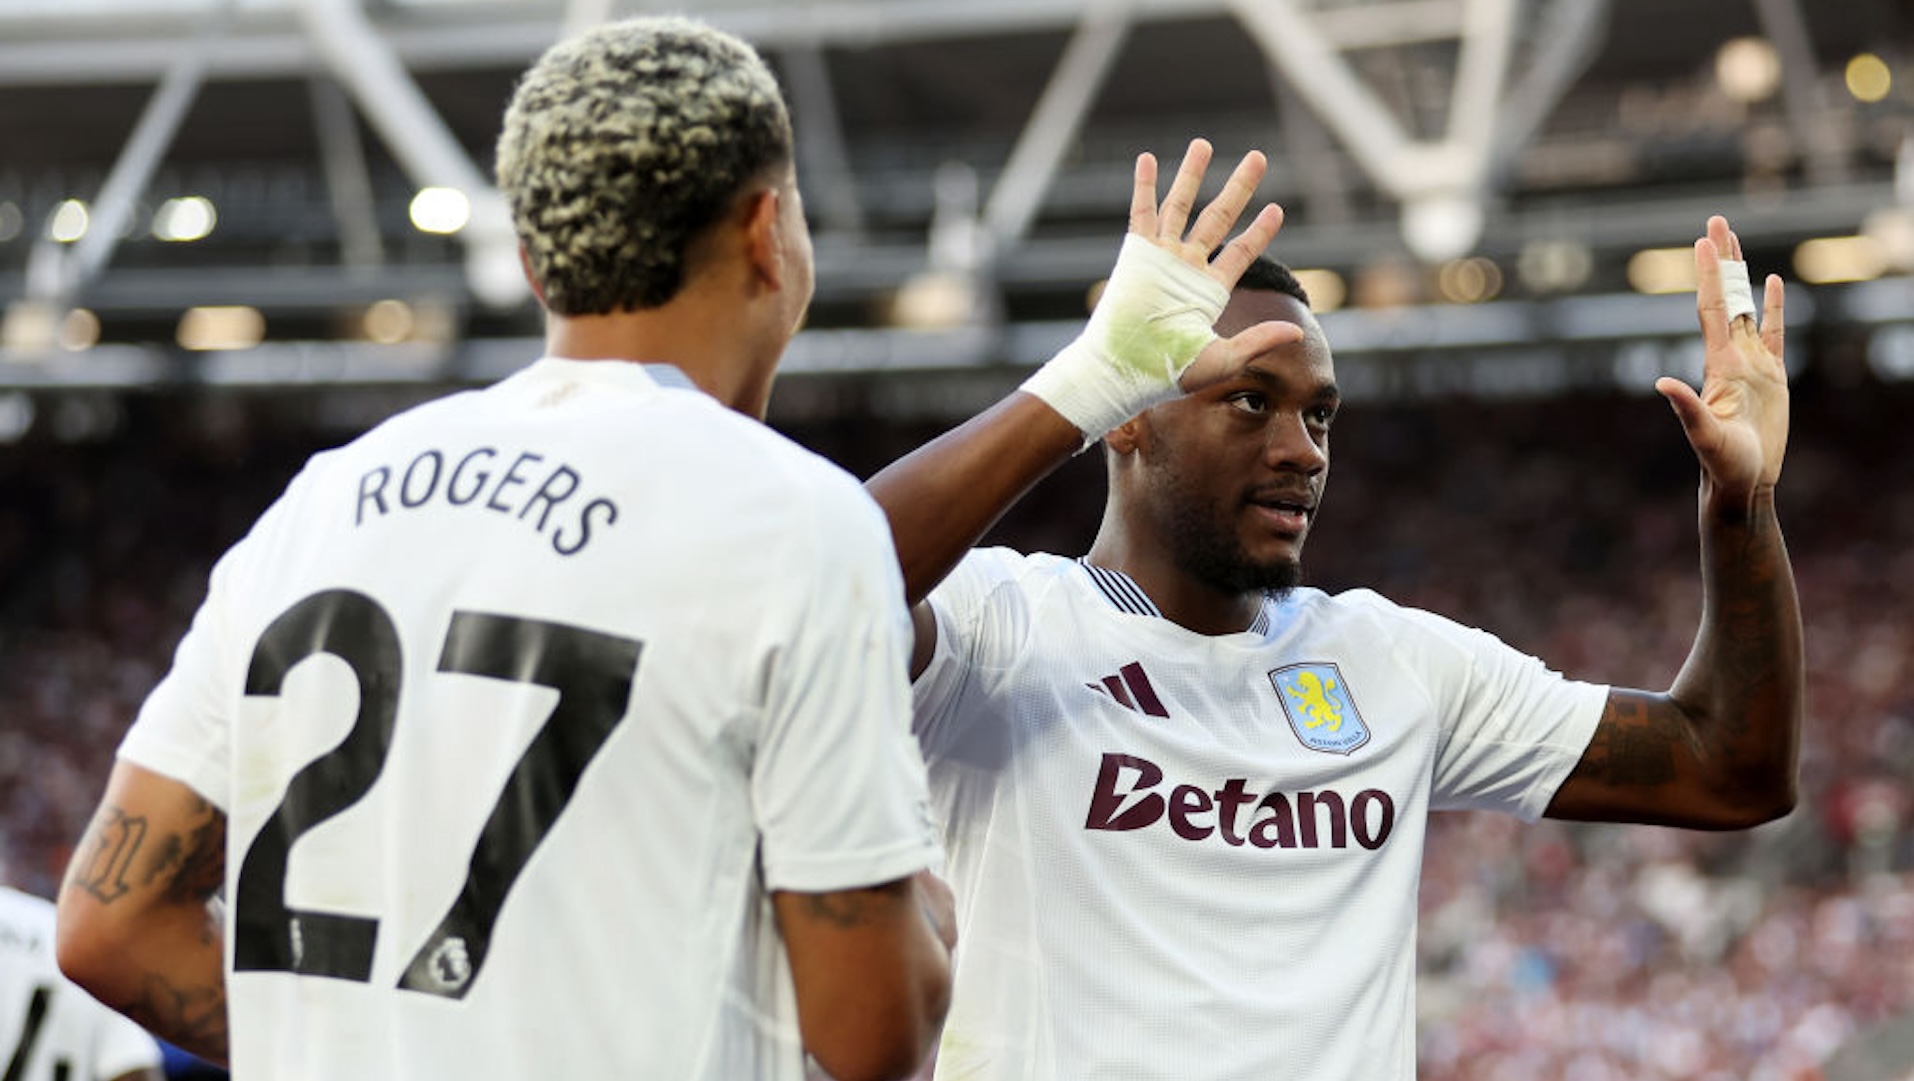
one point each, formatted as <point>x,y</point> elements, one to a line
<point>517,706</point>
<point>50,1029</point>
<point>1195,857</point>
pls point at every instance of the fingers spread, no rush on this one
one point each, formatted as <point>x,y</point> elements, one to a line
<point>1143,196</point>
<point>1773,325</point>
<point>1687,404</point>
<point>1217,218</point>
<point>1710,308</point>
<point>1727,244</point>
<point>1175,212</point>
<point>1239,253</point>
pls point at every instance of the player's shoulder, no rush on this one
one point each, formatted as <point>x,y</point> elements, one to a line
<point>1029,571</point>
<point>1366,613</point>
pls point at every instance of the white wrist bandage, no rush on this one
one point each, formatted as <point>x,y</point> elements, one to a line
<point>1156,314</point>
<point>1736,291</point>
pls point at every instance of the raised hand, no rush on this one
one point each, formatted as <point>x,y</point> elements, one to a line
<point>1164,226</point>
<point>1738,422</point>
<point>1152,337</point>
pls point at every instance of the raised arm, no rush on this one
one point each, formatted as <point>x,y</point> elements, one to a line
<point>1149,339</point>
<point>139,927</point>
<point>1718,749</point>
<point>1153,321</point>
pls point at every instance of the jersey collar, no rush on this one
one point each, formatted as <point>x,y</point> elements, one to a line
<point>1122,591</point>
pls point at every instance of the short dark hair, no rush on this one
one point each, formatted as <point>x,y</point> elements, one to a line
<point>1269,276</point>
<point>1273,277</point>
<point>622,145</point>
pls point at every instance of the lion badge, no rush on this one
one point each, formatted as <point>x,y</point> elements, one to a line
<point>1320,709</point>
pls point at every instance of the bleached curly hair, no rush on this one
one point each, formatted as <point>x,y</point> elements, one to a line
<point>622,144</point>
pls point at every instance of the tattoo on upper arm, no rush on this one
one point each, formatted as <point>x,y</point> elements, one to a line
<point>1634,745</point>
<point>197,868</point>
<point>108,849</point>
<point>187,865</point>
<point>848,909</point>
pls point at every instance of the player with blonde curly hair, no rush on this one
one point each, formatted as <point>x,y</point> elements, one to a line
<point>557,729</point>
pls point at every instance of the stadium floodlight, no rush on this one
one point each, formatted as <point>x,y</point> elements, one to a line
<point>1442,225</point>
<point>223,327</point>
<point>440,210</point>
<point>1832,259</point>
<point>1326,288</point>
<point>185,219</point>
<point>1657,271</point>
<point>79,331</point>
<point>1470,280</point>
<point>1748,69</point>
<point>388,321</point>
<point>1869,78</point>
<point>69,221</point>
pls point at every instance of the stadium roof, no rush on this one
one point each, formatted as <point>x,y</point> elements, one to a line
<point>966,163</point>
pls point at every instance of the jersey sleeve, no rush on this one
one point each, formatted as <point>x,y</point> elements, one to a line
<point>122,1047</point>
<point>184,728</point>
<point>1513,729</point>
<point>980,624</point>
<point>838,783</point>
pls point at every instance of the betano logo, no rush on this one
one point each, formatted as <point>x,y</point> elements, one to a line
<point>1125,799</point>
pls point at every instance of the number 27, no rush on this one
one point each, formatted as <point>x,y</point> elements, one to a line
<point>593,674</point>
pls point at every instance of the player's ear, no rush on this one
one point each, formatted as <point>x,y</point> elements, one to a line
<point>763,242</point>
<point>531,279</point>
<point>1127,437</point>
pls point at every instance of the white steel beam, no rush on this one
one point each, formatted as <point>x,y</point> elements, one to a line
<point>1488,37</point>
<point>348,184</point>
<point>1053,125</point>
<point>822,150</point>
<point>1801,100</point>
<point>55,273</point>
<point>138,44</point>
<point>1372,134</point>
<point>1571,35</point>
<point>418,139</point>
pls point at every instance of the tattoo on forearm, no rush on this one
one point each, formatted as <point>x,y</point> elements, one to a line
<point>108,850</point>
<point>190,1017</point>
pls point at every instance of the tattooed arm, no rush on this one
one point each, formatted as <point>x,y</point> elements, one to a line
<point>140,926</point>
<point>872,971</point>
<point>1718,749</point>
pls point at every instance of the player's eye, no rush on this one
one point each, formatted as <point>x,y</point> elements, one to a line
<point>1249,401</point>
<point>1322,416</point>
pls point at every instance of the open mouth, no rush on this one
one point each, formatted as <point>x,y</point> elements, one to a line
<point>1286,515</point>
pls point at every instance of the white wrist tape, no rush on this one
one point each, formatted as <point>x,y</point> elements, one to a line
<point>1156,314</point>
<point>1736,290</point>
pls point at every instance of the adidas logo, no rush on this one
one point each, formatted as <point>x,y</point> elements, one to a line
<point>1132,690</point>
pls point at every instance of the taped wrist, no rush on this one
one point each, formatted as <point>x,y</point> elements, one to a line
<point>1737,292</point>
<point>1156,314</point>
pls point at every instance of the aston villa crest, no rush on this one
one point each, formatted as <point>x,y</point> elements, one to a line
<point>1320,709</point>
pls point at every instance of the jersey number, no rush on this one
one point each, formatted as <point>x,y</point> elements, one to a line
<point>29,1033</point>
<point>592,673</point>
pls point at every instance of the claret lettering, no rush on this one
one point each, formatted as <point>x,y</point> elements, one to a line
<point>550,498</point>
<point>1127,798</point>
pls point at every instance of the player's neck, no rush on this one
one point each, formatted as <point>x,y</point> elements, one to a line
<point>715,347</point>
<point>1182,598</point>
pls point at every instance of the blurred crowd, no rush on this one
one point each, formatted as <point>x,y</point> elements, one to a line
<point>1565,525</point>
